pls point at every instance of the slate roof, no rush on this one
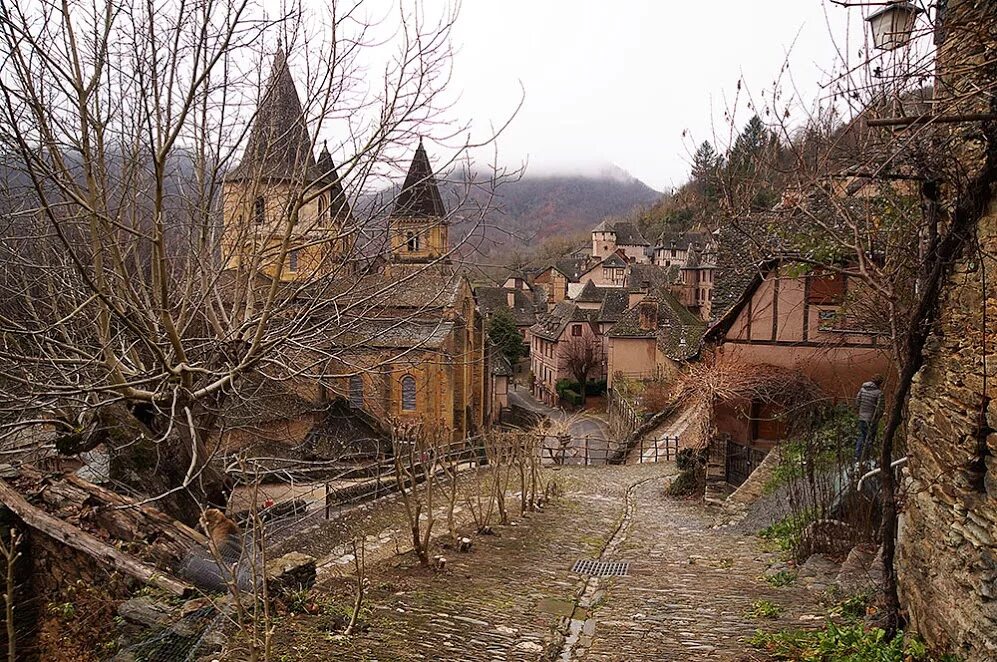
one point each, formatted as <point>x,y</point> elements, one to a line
<point>328,175</point>
<point>411,286</point>
<point>401,333</point>
<point>592,293</point>
<point>572,268</point>
<point>279,146</point>
<point>614,305</point>
<point>627,234</point>
<point>613,260</point>
<point>491,299</point>
<point>552,325</point>
<point>655,276</point>
<point>684,240</point>
<point>500,365</point>
<point>678,333</point>
<point>420,196</point>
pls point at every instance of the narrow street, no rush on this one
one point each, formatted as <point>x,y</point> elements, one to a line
<point>590,434</point>
<point>685,596</point>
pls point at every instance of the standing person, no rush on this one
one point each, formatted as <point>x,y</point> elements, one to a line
<point>867,402</point>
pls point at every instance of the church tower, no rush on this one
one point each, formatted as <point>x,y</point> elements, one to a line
<point>277,167</point>
<point>418,223</point>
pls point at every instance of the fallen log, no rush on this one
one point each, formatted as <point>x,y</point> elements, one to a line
<point>82,541</point>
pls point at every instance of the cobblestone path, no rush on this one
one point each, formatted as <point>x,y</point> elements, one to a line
<point>514,595</point>
<point>689,589</point>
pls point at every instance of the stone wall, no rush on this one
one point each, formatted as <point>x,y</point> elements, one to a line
<point>947,563</point>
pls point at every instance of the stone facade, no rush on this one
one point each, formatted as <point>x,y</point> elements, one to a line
<point>947,563</point>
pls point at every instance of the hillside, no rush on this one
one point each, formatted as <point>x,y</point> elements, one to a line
<point>537,207</point>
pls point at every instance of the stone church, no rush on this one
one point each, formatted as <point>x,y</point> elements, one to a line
<point>398,337</point>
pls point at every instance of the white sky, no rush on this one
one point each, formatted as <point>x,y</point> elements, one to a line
<point>621,80</point>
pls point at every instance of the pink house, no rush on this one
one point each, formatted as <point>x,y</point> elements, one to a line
<point>799,322</point>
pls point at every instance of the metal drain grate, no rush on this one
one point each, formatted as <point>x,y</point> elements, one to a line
<point>601,568</point>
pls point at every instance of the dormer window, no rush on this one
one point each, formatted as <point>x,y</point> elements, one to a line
<point>412,242</point>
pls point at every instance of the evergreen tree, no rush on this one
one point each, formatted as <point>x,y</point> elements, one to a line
<point>503,333</point>
<point>706,165</point>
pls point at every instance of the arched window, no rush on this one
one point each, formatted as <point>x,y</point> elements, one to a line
<point>321,208</point>
<point>408,393</point>
<point>356,391</point>
<point>412,240</point>
<point>259,210</point>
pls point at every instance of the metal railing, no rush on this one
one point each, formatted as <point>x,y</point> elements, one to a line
<point>741,461</point>
<point>593,451</point>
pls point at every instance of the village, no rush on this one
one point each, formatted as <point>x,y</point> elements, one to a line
<point>284,375</point>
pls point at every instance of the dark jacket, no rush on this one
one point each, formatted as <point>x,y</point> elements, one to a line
<point>867,402</point>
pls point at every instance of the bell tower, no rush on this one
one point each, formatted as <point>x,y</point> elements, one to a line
<point>419,226</point>
<point>277,168</point>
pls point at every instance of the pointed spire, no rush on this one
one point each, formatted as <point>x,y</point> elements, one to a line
<point>279,145</point>
<point>420,196</point>
<point>326,175</point>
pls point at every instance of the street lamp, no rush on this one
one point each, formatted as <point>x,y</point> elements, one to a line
<point>893,24</point>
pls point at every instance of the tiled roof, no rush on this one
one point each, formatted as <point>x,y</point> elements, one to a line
<point>279,145</point>
<point>572,268</point>
<point>614,260</point>
<point>614,305</point>
<point>500,365</point>
<point>398,333</point>
<point>655,276</point>
<point>678,332</point>
<point>592,293</point>
<point>328,176</point>
<point>420,196</point>
<point>627,234</point>
<point>551,325</point>
<point>491,299</point>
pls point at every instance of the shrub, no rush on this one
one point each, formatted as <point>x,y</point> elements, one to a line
<point>764,609</point>
<point>571,397</point>
<point>853,643</point>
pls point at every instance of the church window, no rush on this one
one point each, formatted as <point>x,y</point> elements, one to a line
<point>356,391</point>
<point>408,393</point>
<point>292,260</point>
<point>259,210</point>
<point>321,207</point>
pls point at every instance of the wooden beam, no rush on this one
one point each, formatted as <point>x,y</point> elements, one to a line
<point>82,541</point>
<point>931,119</point>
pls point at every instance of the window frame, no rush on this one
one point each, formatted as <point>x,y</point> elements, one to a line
<point>409,393</point>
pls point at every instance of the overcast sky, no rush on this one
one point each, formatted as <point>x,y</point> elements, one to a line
<point>621,80</point>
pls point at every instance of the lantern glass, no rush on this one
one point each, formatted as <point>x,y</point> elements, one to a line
<point>892,25</point>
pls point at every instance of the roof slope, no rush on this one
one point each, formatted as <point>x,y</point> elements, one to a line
<point>327,175</point>
<point>491,299</point>
<point>678,332</point>
<point>552,325</point>
<point>279,145</point>
<point>420,196</point>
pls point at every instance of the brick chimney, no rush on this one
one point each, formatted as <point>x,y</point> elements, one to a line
<point>648,312</point>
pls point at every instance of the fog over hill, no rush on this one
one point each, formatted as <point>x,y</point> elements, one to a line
<point>546,203</point>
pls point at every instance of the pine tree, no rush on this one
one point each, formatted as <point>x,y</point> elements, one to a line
<point>503,334</point>
<point>706,165</point>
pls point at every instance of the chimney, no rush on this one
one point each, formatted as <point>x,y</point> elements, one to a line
<point>636,296</point>
<point>648,312</point>
<point>511,299</point>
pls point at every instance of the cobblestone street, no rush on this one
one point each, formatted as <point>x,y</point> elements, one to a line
<point>513,597</point>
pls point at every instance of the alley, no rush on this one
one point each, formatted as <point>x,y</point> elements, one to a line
<point>686,595</point>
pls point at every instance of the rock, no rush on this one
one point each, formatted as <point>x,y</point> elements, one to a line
<point>818,572</point>
<point>854,576</point>
<point>292,572</point>
<point>146,612</point>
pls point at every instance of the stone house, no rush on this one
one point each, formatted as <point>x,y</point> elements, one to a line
<point>652,339</point>
<point>609,237</point>
<point>519,302</point>
<point>694,254</point>
<point>568,327</point>
<point>611,271</point>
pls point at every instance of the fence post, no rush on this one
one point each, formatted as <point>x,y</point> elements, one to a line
<point>586,450</point>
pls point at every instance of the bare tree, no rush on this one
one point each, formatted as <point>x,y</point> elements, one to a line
<point>582,356</point>
<point>136,303</point>
<point>10,551</point>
